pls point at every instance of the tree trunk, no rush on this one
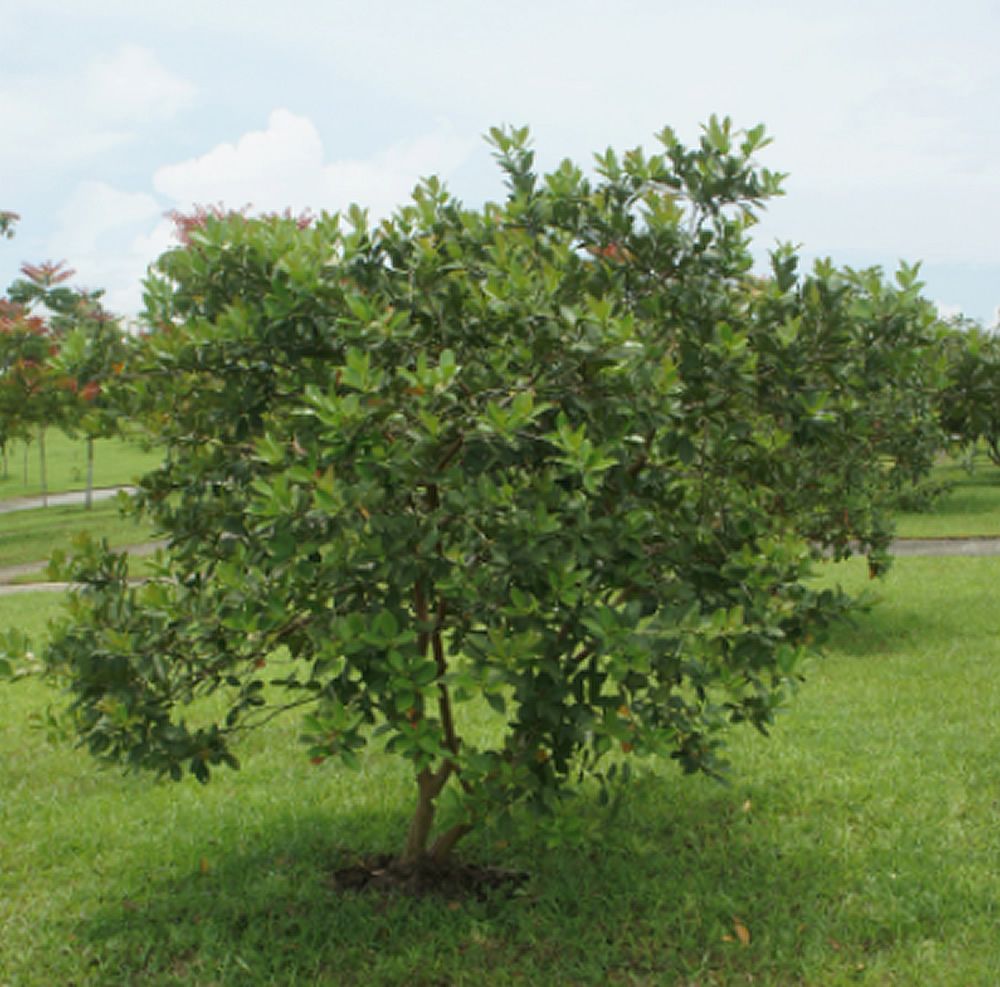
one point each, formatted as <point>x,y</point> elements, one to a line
<point>89,496</point>
<point>422,821</point>
<point>45,472</point>
<point>418,849</point>
<point>430,784</point>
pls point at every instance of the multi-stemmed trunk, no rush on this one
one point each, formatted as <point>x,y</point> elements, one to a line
<point>420,850</point>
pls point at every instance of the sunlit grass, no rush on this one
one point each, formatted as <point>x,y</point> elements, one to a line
<point>116,463</point>
<point>30,536</point>
<point>970,508</point>
<point>858,845</point>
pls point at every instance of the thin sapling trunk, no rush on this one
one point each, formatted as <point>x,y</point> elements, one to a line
<point>89,495</point>
<point>43,466</point>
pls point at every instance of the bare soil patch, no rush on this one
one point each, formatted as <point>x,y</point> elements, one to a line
<point>453,880</point>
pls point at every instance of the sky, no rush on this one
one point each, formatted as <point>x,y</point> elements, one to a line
<point>115,112</point>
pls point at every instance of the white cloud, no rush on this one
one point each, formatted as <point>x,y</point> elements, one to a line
<point>95,209</point>
<point>103,232</point>
<point>132,85</point>
<point>948,310</point>
<point>65,119</point>
<point>284,166</point>
<point>270,168</point>
<point>110,236</point>
<point>880,109</point>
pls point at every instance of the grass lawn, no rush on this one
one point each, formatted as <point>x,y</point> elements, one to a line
<point>116,463</point>
<point>29,536</point>
<point>859,845</point>
<point>972,507</point>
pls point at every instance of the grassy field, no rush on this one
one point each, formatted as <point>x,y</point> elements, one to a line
<point>116,463</point>
<point>30,536</point>
<point>858,845</point>
<point>972,507</point>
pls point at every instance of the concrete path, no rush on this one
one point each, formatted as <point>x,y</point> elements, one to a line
<point>9,573</point>
<point>946,546</point>
<point>901,547</point>
<point>60,499</point>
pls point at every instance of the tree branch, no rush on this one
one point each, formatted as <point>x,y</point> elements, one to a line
<point>447,841</point>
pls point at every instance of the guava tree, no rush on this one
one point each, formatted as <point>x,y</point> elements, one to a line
<point>516,459</point>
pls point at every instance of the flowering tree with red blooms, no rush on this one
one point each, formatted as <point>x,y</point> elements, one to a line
<point>89,346</point>
<point>42,403</point>
<point>26,399</point>
<point>94,351</point>
<point>58,345</point>
<point>188,224</point>
<point>8,221</point>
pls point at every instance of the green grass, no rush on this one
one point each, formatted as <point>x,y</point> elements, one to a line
<point>971,508</point>
<point>30,536</point>
<point>858,845</point>
<point>139,566</point>
<point>116,463</point>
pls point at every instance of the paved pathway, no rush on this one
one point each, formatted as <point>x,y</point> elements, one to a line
<point>11,572</point>
<point>901,547</point>
<point>946,546</point>
<point>60,499</point>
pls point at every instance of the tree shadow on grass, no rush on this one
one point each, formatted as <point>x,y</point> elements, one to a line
<point>890,627</point>
<point>925,604</point>
<point>681,881</point>
<point>968,501</point>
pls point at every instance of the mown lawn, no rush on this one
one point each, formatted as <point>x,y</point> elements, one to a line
<point>30,536</point>
<point>858,845</point>
<point>116,463</point>
<point>970,508</point>
<point>33,535</point>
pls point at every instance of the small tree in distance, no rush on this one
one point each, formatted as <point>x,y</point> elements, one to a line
<point>969,402</point>
<point>26,400</point>
<point>87,346</point>
<point>525,460</point>
<point>8,223</point>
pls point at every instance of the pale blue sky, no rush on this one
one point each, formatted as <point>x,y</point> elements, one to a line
<point>115,112</point>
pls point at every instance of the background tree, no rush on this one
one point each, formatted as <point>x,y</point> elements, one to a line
<point>87,348</point>
<point>29,401</point>
<point>523,458</point>
<point>45,401</point>
<point>969,401</point>
<point>8,223</point>
<point>93,351</point>
<point>849,367</point>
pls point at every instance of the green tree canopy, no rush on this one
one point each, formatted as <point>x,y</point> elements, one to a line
<point>563,457</point>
